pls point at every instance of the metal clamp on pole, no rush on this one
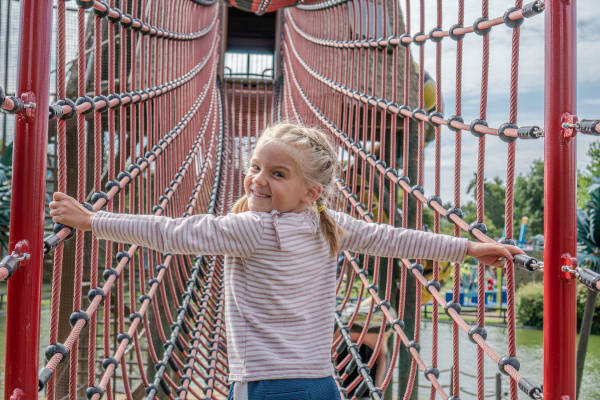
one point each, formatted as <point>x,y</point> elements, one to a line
<point>524,261</point>
<point>587,277</point>
<point>11,263</point>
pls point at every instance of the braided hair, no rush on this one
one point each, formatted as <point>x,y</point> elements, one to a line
<point>317,160</point>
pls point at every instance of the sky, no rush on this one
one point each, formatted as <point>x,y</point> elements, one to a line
<point>531,90</point>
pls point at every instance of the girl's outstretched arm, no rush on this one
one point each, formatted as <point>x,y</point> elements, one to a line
<point>232,234</point>
<point>388,241</point>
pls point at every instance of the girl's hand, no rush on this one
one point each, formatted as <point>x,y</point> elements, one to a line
<point>67,211</point>
<point>492,253</point>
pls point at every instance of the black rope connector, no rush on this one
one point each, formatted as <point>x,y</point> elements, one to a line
<point>480,226</point>
<point>10,262</point>
<point>418,111</point>
<point>479,330</point>
<point>116,19</point>
<point>533,8</point>
<point>418,267</point>
<point>588,277</point>
<point>50,243</point>
<point>502,136</point>
<point>134,315</point>
<point>433,198</point>
<point>145,297</point>
<point>456,211</point>
<point>413,345</point>
<point>452,305</point>
<point>530,132</point>
<point>59,227</point>
<point>69,114</point>
<point>98,99</point>
<point>588,126</point>
<point>433,38</point>
<point>126,96</point>
<point>159,268</point>
<point>435,114</point>
<point>153,281</point>
<point>532,390</point>
<point>100,195</point>
<point>431,371</point>
<point>454,118</point>
<point>124,174</point>
<point>97,291</point>
<point>85,4</point>
<point>55,348</point>
<point>380,304</point>
<point>112,184</point>
<point>156,208</point>
<point>123,254</point>
<point>481,32</point>
<point>77,316</point>
<point>508,360</point>
<point>417,188</point>
<point>374,287</point>
<point>431,284</point>
<point>455,36</point>
<point>526,262</point>
<point>101,14</point>
<point>110,272</point>
<point>512,23</point>
<point>126,24</point>
<point>405,35</point>
<point>44,376</point>
<point>54,111</point>
<point>473,125</point>
<point>415,41</point>
<point>134,167</point>
<point>83,100</point>
<point>122,336</point>
<point>113,96</point>
<point>399,323</point>
<point>109,361</point>
<point>92,391</point>
<point>404,107</point>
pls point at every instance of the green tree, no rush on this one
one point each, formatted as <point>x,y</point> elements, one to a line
<point>494,194</point>
<point>588,255</point>
<point>529,199</point>
<point>585,177</point>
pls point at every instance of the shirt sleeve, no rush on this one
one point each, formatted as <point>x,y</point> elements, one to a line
<point>232,234</point>
<point>387,241</point>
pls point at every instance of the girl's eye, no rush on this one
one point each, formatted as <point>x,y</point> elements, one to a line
<point>254,168</point>
<point>278,174</point>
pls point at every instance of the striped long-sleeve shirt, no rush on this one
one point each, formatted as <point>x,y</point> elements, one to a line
<point>279,277</point>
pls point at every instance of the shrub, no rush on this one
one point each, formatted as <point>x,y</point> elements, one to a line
<point>530,304</point>
<point>581,297</point>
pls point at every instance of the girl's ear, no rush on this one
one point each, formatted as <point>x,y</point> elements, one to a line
<point>313,193</point>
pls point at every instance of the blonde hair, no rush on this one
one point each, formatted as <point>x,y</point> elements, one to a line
<point>318,165</point>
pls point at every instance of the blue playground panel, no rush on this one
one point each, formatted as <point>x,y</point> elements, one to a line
<point>470,298</point>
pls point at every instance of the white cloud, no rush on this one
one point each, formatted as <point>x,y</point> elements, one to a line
<point>531,87</point>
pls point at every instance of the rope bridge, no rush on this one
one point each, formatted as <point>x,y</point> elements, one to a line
<point>146,121</point>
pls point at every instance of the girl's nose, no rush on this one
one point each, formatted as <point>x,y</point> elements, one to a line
<point>259,179</point>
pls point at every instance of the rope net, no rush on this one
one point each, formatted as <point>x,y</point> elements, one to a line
<point>144,125</point>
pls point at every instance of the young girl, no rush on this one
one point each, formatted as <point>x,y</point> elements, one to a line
<point>281,244</point>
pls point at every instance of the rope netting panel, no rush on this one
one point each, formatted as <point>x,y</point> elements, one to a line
<point>141,129</point>
<point>364,83</point>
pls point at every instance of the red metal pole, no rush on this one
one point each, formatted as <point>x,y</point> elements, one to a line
<point>27,200</point>
<point>560,227</point>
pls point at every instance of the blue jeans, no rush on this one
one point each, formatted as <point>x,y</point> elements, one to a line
<point>292,389</point>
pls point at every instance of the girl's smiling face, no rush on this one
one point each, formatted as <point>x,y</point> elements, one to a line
<point>274,180</point>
